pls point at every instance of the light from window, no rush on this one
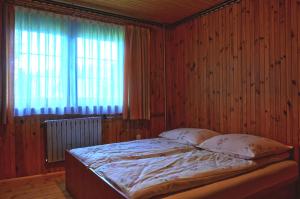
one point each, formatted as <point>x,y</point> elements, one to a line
<point>65,65</point>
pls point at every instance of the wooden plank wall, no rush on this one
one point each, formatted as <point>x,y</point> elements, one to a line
<point>24,151</point>
<point>237,70</point>
<point>157,82</point>
<point>30,141</point>
<point>22,143</point>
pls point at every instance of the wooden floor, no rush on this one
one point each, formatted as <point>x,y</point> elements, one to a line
<point>50,186</point>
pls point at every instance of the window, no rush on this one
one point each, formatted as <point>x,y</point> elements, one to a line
<point>66,65</point>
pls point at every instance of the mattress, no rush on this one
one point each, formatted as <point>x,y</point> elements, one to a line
<point>95,156</point>
<point>158,175</point>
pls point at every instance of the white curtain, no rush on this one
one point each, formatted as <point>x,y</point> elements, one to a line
<point>66,65</point>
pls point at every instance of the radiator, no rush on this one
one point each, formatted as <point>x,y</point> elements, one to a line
<point>71,133</point>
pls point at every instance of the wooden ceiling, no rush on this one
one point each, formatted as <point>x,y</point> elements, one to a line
<point>161,11</point>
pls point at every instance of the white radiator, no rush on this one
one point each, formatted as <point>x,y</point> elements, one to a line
<point>71,133</point>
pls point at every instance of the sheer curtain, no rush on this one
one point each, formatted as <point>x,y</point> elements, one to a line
<point>67,65</point>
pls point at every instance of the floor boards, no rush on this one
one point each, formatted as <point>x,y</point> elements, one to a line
<point>49,186</point>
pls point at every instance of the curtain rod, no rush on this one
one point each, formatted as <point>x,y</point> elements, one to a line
<point>96,11</point>
<point>203,12</point>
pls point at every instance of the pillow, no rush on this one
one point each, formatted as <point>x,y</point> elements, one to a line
<point>244,146</point>
<point>192,136</point>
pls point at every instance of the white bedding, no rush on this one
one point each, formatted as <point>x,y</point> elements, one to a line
<point>96,156</point>
<point>246,185</point>
<point>153,176</point>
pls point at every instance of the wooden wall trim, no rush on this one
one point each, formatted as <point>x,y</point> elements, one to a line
<point>82,11</point>
<point>203,12</point>
<point>98,12</point>
<point>75,11</point>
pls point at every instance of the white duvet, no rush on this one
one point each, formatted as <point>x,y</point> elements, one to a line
<point>154,176</point>
<point>153,167</point>
<point>96,156</point>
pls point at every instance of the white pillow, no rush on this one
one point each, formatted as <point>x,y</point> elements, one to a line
<point>244,146</point>
<point>192,136</point>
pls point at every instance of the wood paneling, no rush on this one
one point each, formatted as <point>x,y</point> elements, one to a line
<point>167,11</point>
<point>157,82</point>
<point>237,70</point>
<point>7,151</point>
<point>30,142</point>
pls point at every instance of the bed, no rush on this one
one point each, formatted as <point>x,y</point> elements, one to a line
<point>140,171</point>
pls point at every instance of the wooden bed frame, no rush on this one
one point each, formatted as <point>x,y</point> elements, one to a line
<point>83,183</point>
